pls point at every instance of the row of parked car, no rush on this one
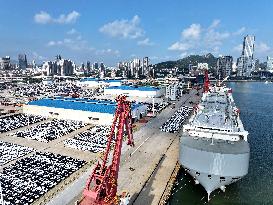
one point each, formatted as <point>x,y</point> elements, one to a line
<point>49,131</point>
<point>10,151</point>
<point>29,178</point>
<point>176,121</point>
<point>16,121</point>
<point>93,140</point>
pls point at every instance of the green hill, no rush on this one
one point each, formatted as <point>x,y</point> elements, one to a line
<point>183,63</point>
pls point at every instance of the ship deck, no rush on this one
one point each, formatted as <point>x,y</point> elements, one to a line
<point>216,113</point>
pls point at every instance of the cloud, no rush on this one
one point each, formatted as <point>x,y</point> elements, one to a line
<point>72,44</point>
<point>179,46</point>
<point>69,18</point>
<point>133,55</point>
<point>238,48</point>
<point>77,43</point>
<point>54,43</point>
<point>127,29</point>
<point>214,24</point>
<point>239,31</point>
<point>145,42</point>
<point>193,32</point>
<point>262,47</point>
<point>72,31</point>
<point>45,18</point>
<point>42,18</point>
<point>154,57</point>
<point>108,51</point>
<point>183,55</point>
<point>214,38</point>
<point>199,39</point>
<point>36,56</point>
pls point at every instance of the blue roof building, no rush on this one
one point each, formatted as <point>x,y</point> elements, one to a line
<point>137,91</point>
<point>96,82</point>
<point>82,104</point>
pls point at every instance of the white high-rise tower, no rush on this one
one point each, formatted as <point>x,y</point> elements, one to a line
<point>246,63</point>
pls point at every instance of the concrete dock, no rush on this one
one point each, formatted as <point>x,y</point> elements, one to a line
<point>147,169</point>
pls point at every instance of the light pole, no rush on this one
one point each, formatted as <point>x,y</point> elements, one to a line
<point>153,106</point>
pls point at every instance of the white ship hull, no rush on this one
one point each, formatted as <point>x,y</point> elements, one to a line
<point>211,183</point>
<point>214,148</point>
<point>214,166</point>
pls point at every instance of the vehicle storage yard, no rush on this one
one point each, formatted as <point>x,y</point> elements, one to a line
<point>145,169</point>
<point>40,142</point>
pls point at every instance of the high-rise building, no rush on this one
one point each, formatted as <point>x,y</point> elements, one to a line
<point>239,66</point>
<point>22,59</point>
<point>269,63</point>
<point>224,66</point>
<point>257,64</point>
<point>135,68</point>
<point>172,92</point>
<point>246,63</point>
<point>82,67</point>
<point>113,73</point>
<point>102,70</point>
<point>145,66</point>
<point>234,67</point>
<point>190,68</point>
<point>60,67</point>
<point>202,66</point>
<point>88,67</point>
<point>102,67</point>
<point>5,63</point>
<point>95,66</point>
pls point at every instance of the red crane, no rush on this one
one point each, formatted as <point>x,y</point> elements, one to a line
<point>206,82</point>
<point>101,187</point>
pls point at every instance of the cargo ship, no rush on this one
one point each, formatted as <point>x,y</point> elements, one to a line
<point>214,146</point>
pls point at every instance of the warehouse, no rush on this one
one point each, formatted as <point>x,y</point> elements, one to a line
<point>94,82</point>
<point>82,109</point>
<point>148,92</point>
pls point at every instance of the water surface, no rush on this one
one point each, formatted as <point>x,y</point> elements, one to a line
<point>255,101</point>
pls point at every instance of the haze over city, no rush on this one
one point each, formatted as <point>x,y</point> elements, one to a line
<point>111,31</point>
<point>144,102</point>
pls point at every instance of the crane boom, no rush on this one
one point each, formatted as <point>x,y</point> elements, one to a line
<point>101,186</point>
<point>207,82</point>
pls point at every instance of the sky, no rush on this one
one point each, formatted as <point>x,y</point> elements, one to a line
<point>110,31</point>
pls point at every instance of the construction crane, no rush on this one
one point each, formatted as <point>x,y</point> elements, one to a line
<point>101,186</point>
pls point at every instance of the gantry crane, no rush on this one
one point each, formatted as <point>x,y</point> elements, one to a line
<point>101,186</point>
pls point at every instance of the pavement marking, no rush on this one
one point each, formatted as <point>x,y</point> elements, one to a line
<point>139,146</point>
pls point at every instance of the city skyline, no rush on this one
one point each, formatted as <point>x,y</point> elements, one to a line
<point>111,32</point>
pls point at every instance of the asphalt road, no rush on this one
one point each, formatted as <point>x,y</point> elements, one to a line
<point>150,145</point>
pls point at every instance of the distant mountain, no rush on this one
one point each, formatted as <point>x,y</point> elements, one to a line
<point>183,63</point>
